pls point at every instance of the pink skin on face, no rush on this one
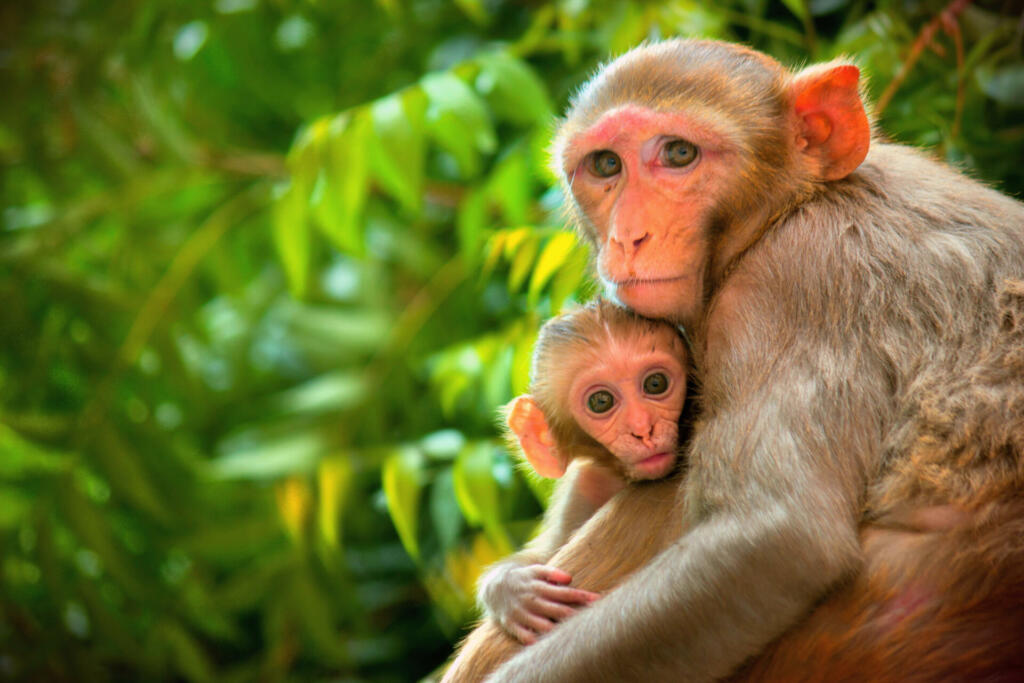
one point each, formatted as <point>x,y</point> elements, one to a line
<point>639,427</point>
<point>650,215</point>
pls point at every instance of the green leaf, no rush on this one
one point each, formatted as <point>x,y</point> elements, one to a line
<point>14,507</point>
<point>292,235</point>
<point>458,120</point>
<point>21,457</point>
<point>186,654</point>
<point>554,255</point>
<point>470,223</point>
<point>397,154</point>
<point>342,198</point>
<point>512,89</point>
<point>270,458</point>
<point>444,509</point>
<point>474,9</point>
<point>477,492</point>
<point>521,359</point>
<point>798,8</point>
<point>511,186</point>
<point>126,474</point>
<point>403,485</point>
<point>570,278</point>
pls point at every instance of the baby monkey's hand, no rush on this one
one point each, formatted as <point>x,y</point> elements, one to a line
<point>527,601</point>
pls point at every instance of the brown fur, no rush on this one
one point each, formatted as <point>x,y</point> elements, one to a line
<point>853,508</point>
<point>941,594</point>
<point>612,526</point>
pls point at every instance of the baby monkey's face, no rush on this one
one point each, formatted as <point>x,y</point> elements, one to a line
<point>629,398</point>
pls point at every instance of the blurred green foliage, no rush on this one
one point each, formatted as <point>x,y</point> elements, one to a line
<point>267,269</point>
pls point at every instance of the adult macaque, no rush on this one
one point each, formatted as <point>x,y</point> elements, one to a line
<point>838,290</point>
<point>607,391</point>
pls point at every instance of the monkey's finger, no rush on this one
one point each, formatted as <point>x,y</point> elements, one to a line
<point>555,611</point>
<point>536,623</point>
<point>522,634</point>
<point>569,596</point>
<point>552,574</point>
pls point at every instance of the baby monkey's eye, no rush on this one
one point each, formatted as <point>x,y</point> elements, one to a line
<point>678,153</point>
<point>600,401</point>
<point>656,383</point>
<point>605,163</point>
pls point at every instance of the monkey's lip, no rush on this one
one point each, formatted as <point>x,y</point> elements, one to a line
<point>656,465</point>
<point>642,281</point>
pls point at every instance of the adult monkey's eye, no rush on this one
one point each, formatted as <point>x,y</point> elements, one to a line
<point>656,383</point>
<point>678,153</point>
<point>605,163</point>
<point>600,401</point>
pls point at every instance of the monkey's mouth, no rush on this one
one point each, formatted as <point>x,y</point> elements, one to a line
<point>655,466</point>
<point>642,281</point>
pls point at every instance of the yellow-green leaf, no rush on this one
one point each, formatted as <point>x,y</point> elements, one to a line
<point>334,477</point>
<point>553,256</point>
<point>403,485</point>
<point>477,491</point>
<point>291,235</point>
<point>522,262</point>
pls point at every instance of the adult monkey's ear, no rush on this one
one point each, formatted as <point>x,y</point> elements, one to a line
<point>833,132</point>
<point>527,422</point>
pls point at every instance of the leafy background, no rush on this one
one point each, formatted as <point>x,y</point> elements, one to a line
<point>268,267</point>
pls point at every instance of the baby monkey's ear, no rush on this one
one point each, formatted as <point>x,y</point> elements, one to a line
<point>526,421</point>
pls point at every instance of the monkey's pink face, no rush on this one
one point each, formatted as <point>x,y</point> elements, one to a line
<point>647,183</point>
<point>629,400</point>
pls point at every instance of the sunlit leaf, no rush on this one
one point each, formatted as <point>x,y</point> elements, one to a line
<point>571,277</point>
<point>512,89</point>
<point>522,262</point>
<point>553,256</point>
<point>293,504</point>
<point>334,477</point>
<point>458,120</point>
<point>403,484</point>
<point>291,235</point>
<point>342,197</point>
<point>521,360</point>
<point>270,458</point>
<point>477,491</point>
<point>399,145</point>
<point>474,9</point>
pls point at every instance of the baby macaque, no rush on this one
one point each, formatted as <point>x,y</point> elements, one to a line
<point>607,390</point>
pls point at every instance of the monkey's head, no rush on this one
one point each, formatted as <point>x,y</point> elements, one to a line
<point>678,155</point>
<point>606,384</point>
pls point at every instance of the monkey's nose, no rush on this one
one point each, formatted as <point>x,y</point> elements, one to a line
<point>630,246</point>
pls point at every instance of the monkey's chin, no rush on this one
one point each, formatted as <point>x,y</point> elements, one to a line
<point>654,467</point>
<point>668,298</point>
